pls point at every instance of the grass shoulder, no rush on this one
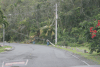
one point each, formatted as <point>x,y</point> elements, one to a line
<point>2,49</point>
<point>95,56</point>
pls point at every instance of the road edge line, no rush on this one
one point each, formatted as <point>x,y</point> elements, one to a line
<point>80,60</point>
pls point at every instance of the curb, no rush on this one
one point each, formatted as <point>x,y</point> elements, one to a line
<point>9,50</point>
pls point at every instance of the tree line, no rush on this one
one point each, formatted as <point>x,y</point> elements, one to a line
<point>37,18</point>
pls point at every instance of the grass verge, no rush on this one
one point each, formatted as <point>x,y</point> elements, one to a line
<point>2,49</point>
<point>95,56</point>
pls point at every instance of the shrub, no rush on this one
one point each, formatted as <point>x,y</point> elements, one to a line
<point>63,43</point>
<point>80,40</point>
<point>74,45</point>
<point>60,43</point>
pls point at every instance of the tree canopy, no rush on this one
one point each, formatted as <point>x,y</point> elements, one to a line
<point>28,18</point>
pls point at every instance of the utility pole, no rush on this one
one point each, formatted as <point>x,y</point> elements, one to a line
<point>56,26</point>
<point>3,35</point>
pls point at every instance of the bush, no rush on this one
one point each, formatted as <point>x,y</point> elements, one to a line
<point>72,40</point>
<point>74,45</point>
<point>63,43</point>
<point>86,44</point>
<point>60,43</point>
<point>80,40</point>
<point>66,43</point>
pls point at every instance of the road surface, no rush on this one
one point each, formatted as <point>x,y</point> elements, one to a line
<point>43,56</point>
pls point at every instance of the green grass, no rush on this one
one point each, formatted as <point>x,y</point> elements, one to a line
<point>94,56</point>
<point>43,44</point>
<point>2,48</point>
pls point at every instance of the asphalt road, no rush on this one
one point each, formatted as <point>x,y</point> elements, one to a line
<point>43,56</point>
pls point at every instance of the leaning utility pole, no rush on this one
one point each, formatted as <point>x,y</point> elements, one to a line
<point>56,26</point>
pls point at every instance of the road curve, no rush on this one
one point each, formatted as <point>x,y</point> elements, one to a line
<point>43,56</point>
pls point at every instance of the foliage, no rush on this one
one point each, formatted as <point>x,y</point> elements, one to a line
<point>2,19</point>
<point>37,18</point>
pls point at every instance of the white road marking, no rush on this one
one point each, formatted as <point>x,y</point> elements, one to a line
<point>80,60</point>
<point>85,63</point>
<point>26,62</point>
<point>9,64</point>
<point>75,56</point>
<point>2,64</point>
